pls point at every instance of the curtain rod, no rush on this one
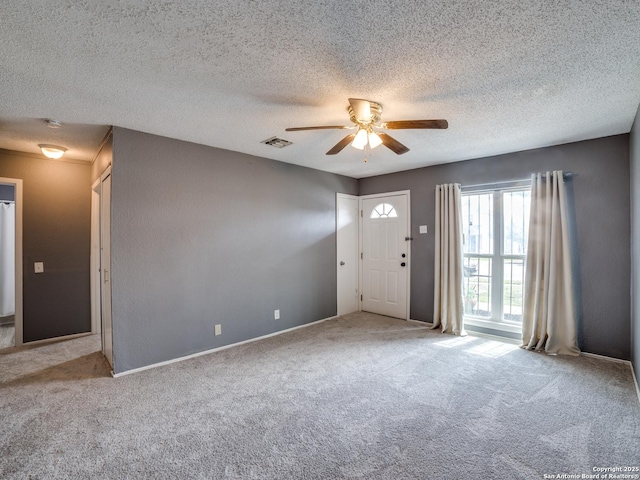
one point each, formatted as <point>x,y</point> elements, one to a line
<point>522,180</point>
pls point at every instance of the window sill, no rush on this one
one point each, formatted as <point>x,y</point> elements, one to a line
<point>491,325</point>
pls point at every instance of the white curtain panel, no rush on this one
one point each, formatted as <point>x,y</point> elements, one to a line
<point>549,317</point>
<point>7,259</point>
<point>447,300</point>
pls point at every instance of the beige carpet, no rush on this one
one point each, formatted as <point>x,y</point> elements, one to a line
<point>7,335</point>
<point>362,396</point>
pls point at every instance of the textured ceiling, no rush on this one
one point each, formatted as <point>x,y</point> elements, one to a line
<point>507,75</point>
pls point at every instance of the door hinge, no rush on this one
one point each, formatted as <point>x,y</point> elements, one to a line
<point>361,213</point>
<point>360,255</point>
<point>360,297</point>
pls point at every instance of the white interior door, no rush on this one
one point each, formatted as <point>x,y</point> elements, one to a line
<point>385,255</point>
<point>347,252</point>
<point>105,266</point>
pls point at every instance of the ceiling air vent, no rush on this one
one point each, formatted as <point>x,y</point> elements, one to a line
<point>277,142</point>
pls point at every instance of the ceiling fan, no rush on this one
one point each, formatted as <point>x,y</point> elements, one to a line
<point>365,115</point>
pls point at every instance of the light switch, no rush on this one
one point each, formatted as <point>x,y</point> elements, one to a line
<point>39,267</point>
<point>423,229</point>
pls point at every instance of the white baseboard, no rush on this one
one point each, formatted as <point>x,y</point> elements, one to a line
<point>55,339</point>
<point>217,349</point>
<point>617,360</point>
<point>425,324</point>
<point>635,380</point>
<point>603,357</point>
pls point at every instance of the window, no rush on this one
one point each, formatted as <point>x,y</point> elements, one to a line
<point>495,226</point>
<point>383,210</point>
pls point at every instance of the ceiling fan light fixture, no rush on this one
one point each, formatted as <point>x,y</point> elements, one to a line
<point>374,140</point>
<point>361,139</point>
<point>52,151</point>
<point>365,115</point>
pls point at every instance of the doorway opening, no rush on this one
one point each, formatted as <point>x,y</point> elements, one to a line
<point>373,253</point>
<point>100,262</point>
<point>11,333</point>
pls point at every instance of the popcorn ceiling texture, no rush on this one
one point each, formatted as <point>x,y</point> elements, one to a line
<point>508,75</point>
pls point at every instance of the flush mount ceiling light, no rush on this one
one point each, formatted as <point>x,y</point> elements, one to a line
<point>52,151</point>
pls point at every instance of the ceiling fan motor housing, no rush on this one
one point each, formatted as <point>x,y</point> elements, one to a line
<point>376,113</point>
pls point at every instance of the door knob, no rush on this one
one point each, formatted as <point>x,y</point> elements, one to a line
<point>341,263</point>
<point>403,264</point>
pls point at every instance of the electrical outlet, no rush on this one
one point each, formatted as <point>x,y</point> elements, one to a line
<point>276,314</point>
<point>217,330</point>
<point>38,267</point>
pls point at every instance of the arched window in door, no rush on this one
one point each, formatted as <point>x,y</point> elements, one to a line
<point>384,210</point>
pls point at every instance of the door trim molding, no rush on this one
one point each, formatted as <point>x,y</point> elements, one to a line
<point>105,174</point>
<point>19,280</point>
<point>360,221</point>
<point>94,259</point>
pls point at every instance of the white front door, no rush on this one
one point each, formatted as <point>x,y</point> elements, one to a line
<point>105,266</point>
<point>385,255</point>
<point>347,253</point>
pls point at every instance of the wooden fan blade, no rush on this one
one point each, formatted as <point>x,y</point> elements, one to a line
<point>415,124</point>
<point>392,144</point>
<point>361,108</point>
<point>341,144</point>
<point>325,127</point>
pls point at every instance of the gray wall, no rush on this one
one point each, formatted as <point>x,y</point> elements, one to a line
<point>601,194</point>
<point>56,231</point>
<point>203,236</point>
<point>635,241</point>
<point>7,193</point>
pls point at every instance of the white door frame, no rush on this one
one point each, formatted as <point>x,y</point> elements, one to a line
<point>97,269</point>
<point>355,260</point>
<point>360,243</point>
<point>105,273</point>
<point>17,184</point>
<point>94,277</point>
